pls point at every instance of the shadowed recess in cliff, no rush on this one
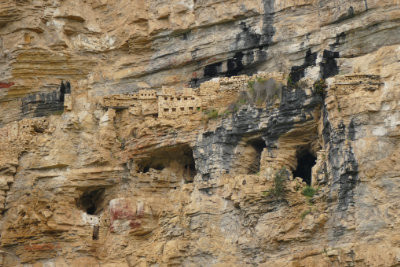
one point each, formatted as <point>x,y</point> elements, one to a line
<point>305,162</point>
<point>248,156</point>
<point>45,104</point>
<point>328,65</point>
<point>344,166</point>
<point>176,160</point>
<point>91,201</point>
<point>340,40</point>
<point>215,152</point>
<point>251,49</point>
<point>258,145</point>
<point>298,72</point>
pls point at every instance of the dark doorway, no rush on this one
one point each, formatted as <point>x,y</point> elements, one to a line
<point>190,166</point>
<point>305,161</point>
<point>258,145</point>
<point>91,200</point>
<point>95,235</point>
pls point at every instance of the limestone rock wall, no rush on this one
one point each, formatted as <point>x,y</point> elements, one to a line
<point>94,171</point>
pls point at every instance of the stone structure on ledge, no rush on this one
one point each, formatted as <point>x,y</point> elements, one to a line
<point>284,151</point>
<point>170,104</point>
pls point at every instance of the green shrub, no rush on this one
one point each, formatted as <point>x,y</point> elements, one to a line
<point>261,79</point>
<point>305,213</point>
<point>212,114</point>
<point>309,191</point>
<point>241,100</point>
<point>251,86</point>
<point>320,86</point>
<point>278,190</point>
<point>290,82</point>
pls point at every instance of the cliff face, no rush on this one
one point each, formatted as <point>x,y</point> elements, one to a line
<point>199,133</point>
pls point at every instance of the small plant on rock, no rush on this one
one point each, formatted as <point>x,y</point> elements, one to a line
<point>305,213</point>
<point>309,193</point>
<point>278,190</point>
<point>250,84</point>
<point>290,82</point>
<point>212,114</point>
<point>241,100</point>
<point>320,86</point>
<point>226,113</point>
<point>261,79</point>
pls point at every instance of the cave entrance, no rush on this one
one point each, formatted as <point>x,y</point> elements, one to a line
<point>91,201</point>
<point>173,161</point>
<point>305,162</point>
<point>258,145</point>
<point>189,165</point>
<point>158,167</point>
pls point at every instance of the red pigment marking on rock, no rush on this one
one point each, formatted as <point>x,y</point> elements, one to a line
<point>41,247</point>
<point>140,213</point>
<point>121,212</point>
<point>134,224</point>
<point>6,85</point>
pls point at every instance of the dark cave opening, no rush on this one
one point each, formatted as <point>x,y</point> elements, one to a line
<point>258,145</point>
<point>158,167</point>
<point>146,169</point>
<point>95,235</point>
<point>91,200</point>
<point>190,166</point>
<point>305,162</point>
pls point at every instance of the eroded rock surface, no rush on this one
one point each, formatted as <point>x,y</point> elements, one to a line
<point>184,133</point>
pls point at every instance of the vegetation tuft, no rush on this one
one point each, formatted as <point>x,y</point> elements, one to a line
<point>305,213</point>
<point>309,191</point>
<point>278,190</point>
<point>290,82</point>
<point>320,86</point>
<point>212,114</point>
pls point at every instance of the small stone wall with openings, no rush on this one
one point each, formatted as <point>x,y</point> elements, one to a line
<point>169,103</point>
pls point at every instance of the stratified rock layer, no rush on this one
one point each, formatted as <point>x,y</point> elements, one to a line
<point>161,133</point>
